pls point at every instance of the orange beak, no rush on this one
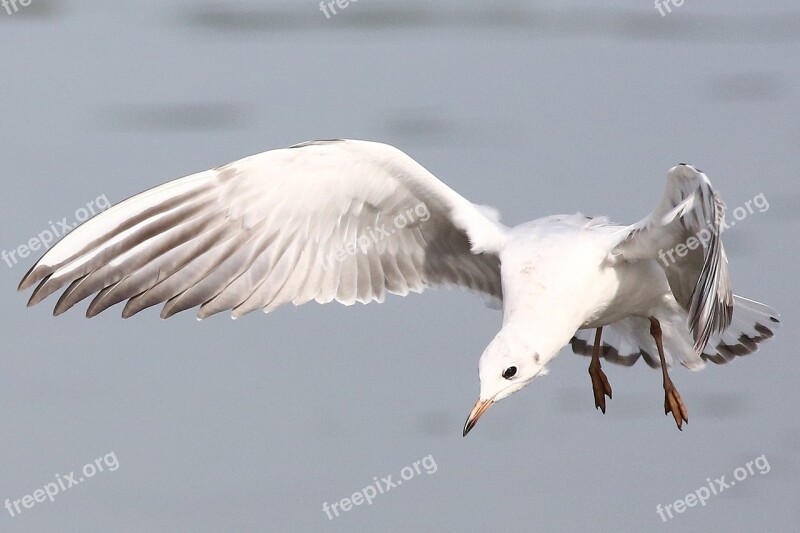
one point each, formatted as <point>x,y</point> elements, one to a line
<point>480,407</point>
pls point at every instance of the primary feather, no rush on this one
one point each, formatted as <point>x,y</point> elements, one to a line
<point>331,220</point>
<point>683,234</point>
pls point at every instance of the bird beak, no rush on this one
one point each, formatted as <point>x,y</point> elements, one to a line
<point>480,407</point>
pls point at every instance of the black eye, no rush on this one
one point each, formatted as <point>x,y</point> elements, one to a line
<point>509,372</point>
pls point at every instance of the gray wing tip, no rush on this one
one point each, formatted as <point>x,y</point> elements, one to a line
<point>40,292</point>
<point>316,142</point>
<point>34,274</point>
<point>687,165</point>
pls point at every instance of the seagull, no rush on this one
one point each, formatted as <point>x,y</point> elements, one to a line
<point>352,220</point>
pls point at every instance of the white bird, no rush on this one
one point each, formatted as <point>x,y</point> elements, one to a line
<point>350,220</point>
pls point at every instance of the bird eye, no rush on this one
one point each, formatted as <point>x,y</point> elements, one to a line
<point>509,372</point>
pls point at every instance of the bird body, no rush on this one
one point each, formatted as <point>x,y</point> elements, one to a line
<point>557,278</point>
<point>351,221</point>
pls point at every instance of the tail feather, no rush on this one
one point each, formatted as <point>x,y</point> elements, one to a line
<point>752,323</point>
<point>628,340</point>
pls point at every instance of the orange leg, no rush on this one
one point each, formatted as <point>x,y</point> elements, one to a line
<point>672,400</point>
<point>600,384</point>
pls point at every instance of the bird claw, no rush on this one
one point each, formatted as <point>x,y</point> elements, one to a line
<point>600,387</point>
<point>673,403</point>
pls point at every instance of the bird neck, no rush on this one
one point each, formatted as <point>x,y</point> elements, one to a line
<point>542,335</point>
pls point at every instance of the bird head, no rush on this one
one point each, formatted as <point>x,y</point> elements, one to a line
<point>507,365</point>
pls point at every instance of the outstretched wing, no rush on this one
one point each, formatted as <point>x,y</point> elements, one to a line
<point>683,234</point>
<point>323,220</point>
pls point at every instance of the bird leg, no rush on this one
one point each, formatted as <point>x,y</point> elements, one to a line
<point>672,400</point>
<point>600,384</point>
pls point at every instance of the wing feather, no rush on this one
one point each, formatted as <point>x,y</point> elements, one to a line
<point>683,235</point>
<point>344,220</point>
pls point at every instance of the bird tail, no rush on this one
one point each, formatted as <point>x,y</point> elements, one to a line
<point>752,323</point>
<point>628,340</point>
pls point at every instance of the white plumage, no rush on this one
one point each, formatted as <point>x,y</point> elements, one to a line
<point>352,220</point>
<point>266,230</point>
